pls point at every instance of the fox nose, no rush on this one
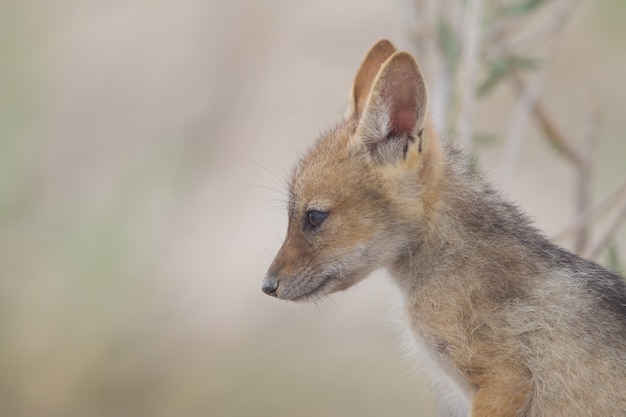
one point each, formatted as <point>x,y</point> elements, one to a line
<point>269,287</point>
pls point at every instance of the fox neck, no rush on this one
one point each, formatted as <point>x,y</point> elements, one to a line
<point>468,227</point>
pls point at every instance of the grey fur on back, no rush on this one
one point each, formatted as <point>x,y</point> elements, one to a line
<point>564,316</point>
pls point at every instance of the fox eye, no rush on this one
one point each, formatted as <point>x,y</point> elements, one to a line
<point>315,217</point>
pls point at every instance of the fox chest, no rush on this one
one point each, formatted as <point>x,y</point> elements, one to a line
<point>435,351</point>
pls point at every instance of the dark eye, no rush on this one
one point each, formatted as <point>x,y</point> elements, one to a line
<point>315,217</point>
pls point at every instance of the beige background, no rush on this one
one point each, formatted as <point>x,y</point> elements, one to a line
<point>144,148</point>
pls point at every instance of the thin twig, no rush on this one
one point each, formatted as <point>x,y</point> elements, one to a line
<point>595,251</point>
<point>538,28</point>
<point>470,54</point>
<point>519,120</point>
<point>582,162</point>
<point>547,126</point>
<point>584,188</point>
<point>592,215</point>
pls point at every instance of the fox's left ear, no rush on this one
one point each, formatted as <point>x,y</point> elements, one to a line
<point>375,58</point>
<point>395,112</point>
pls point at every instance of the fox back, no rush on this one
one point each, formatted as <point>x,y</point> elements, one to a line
<point>504,322</point>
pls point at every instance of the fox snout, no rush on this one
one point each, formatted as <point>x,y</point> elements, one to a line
<point>270,285</point>
<point>295,275</point>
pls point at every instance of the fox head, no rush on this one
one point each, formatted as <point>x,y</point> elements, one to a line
<point>366,188</point>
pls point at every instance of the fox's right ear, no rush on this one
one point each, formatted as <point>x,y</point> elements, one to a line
<point>364,78</point>
<point>395,113</point>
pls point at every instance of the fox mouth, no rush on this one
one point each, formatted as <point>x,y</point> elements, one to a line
<point>320,286</point>
<point>311,284</point>
<point>313,293</point>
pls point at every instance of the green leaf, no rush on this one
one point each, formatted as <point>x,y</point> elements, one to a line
<point>485,138</point>
<point>499,69</point>
<point>448,43</point>
<point>522,7</point>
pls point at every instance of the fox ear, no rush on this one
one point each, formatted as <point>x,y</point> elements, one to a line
<point>395,112</point>
<point>364,78</point>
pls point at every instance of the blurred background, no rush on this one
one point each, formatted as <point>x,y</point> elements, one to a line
<point>144,148</point>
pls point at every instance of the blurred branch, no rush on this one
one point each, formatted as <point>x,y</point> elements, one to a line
<point>499,40</point>
<point>470,54</point>
<point>590,216</point>
<point>521,116</point>
<point>584,174</point>
<point>581,161</point>
<point>593,252</point>
<point>552,134</point>
<point>527,25</point>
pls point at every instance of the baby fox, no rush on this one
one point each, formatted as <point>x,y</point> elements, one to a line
<point>505,322</point>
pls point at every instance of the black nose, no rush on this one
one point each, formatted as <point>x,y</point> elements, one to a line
<point>270,285</point>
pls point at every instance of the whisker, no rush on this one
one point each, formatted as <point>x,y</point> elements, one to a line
<point>332,303</point>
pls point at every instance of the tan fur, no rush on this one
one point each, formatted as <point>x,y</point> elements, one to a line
<point>366,74</point>
<point>506,323</point>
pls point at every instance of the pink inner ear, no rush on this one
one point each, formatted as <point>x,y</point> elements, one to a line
<point>404,117</point>
<point>399,94</point>
<point>401,91</point>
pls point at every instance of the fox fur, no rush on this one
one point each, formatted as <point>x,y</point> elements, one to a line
<point>505,322</point>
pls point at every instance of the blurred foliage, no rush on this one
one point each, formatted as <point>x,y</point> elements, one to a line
<point>516,37</point>
<point>97,315</point>
<point>500,69</point>
<point>448,43</point>
<point>521,8</point>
